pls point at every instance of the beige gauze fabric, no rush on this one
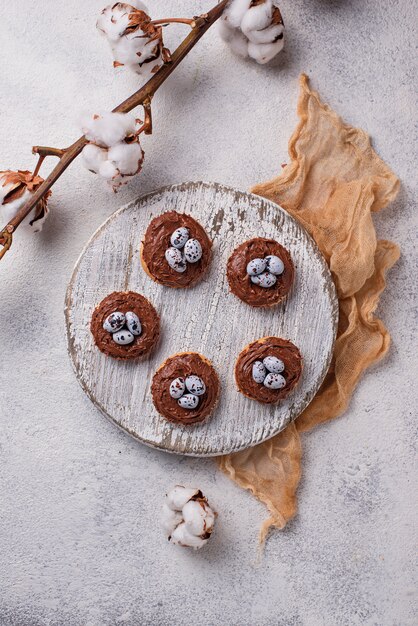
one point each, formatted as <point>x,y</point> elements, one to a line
<point>332,185</point>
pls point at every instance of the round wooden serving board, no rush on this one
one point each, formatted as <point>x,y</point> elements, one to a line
<point>206,318</point>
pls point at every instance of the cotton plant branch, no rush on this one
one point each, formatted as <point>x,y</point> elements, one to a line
<point>143,97</point>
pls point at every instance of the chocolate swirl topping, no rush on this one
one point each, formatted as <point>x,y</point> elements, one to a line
<point>182,365</point>
<point>239,281</point>
<point>124,302</point>
<point>156,242</point>
<point>257,351</point>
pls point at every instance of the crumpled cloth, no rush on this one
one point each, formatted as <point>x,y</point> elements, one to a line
<point>332,185</point>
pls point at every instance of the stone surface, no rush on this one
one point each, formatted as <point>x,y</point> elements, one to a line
<point>79,537</point>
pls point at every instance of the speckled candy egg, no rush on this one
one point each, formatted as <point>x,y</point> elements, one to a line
<point>273,364</point>
<point>114,322</point>
<point>259,372</point>
<point>175,260</point>
<point>274,381</point>
<point>264,280</point>
<point>274,265</point>
<point>192,251</point>
<point>177,388</point>
<point>123,337</point>
<point>133,323</point>
<point>195,385</point>
<point>256,267</point>
<point>179,237</point>
<point>188,401</point>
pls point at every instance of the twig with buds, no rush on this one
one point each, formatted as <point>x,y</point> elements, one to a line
<point>18,183</point>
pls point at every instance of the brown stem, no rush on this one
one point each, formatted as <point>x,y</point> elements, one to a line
<point>143,95</point>
<point>174,20</point>
<point>44,151</point>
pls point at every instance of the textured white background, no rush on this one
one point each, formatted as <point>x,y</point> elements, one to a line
<point>79,542</point>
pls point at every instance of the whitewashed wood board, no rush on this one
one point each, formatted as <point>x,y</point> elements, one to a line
<point>206,318</point>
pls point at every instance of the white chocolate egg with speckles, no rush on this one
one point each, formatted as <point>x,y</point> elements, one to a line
<point>192,251</point>
<point>177,388</point>
<point>175,260</point>
<point>259,372</point>
<point>256,267</point>
<point>274,265</point>
<point>179,237</point>
<point>123,337</point>
<point>195,385</point>
<point>114,322</point>
<point>265,280</point>
<point>188,401</point>
<point>133,323</point>
<point>274,381</point>
<point>273,364</point>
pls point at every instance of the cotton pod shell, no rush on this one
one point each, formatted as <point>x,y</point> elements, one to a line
<point>259,372</point>
<point>274,264</point>
<point>123,337</point>
<point>114,322</point>
<point>274,381</point>
<point>177,388</point>
<point>175,260</point>
<point>273,364</point>
<point>179,237</point>
<point>133,323</point>
<point>182,537</point>
<point>198,517</point>
<point>256,266</point>
<point>195,385</point>
<point>188,401</point>
<point>179,495</point>
<point>265,280</point>
<point>192,251</point>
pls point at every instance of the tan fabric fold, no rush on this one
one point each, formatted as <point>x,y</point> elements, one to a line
<point>333,183</point>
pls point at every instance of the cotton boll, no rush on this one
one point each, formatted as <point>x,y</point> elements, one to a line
<point>114,20</point>
<point>9,210</point>
<point>235,12</point>
<point>182,537</point>
<point>271,34</point>
<point>93,156</point>
<point>257,17</point>
<point>198,517</point>
<point>187,517</point>
<point>107,129</point>
<point>108,171</point>
<point>147,70</point>
<point>170,519</point>
<point>126,157</point>
<point>124,52</point>
<point>134,49</point>
<point>239,45</point>
<point>263,53</point>
<point>16,188</point>
<point>179,495</point>
<point>253,30</point>
<point>236,40</point>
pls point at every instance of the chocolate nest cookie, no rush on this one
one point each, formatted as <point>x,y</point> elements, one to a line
<point>260,272</point>
<point>268,369</point>
<point>176,251</point>
<point>185,389</point>
<point>125,325</point>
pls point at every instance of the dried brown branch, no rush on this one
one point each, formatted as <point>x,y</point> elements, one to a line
<point>141,97</point>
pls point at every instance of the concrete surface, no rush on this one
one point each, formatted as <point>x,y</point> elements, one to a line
<point>79,538</point>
